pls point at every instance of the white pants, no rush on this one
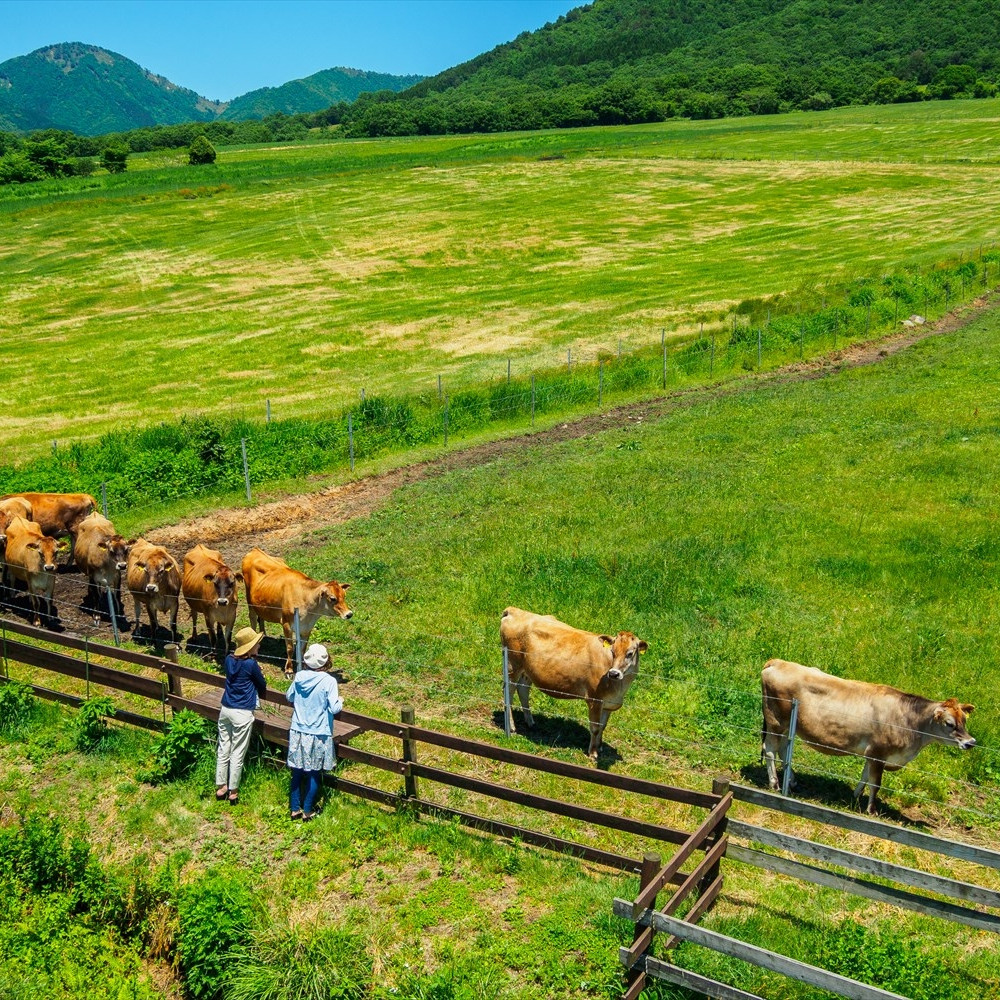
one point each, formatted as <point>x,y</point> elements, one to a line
<point>235,727</point>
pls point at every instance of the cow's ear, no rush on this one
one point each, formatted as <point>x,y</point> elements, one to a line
<point>239,576</point>
<point>968,709</point>
<point>102,545</point>
<point>643,646</point>
<point>607,640</point>
<point>939,713</point>
<point>208,578</point>
<point>346,586</point>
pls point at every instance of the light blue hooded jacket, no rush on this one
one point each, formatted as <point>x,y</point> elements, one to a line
<point>316,700</point>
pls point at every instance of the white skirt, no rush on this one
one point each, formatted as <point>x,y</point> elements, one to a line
<point>307,752</point>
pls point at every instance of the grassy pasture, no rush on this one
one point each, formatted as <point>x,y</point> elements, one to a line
<point>306,273</point>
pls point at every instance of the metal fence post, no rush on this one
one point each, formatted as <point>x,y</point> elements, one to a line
<point>532,400</point>
<point>569,360</point>
<point>506,693</point>
<point>297,632</point>
<point>86,656</point>
<point>350,437</point>
<point>445,417</point>
<point>786,776</point>
<point>663,345</point>
<point>104,498</point>
<point>711,364</point>
<point>440,391</point>
<point>600,383</point>
<point>758,348</point>
<point>508,371</point>
<point>114,617</point>
<point>268,410</point>
<point>246,467</point>
<point>407,717</point>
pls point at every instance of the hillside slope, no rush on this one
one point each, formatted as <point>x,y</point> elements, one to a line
<point>90,90</point>
<point>313,93</point>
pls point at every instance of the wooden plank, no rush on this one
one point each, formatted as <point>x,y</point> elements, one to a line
<point>87,645</point>
<point>869,866</point>
<point>537,839</point>
<point>589,774</point>
<point>771,960</point>
<point>647,897</point>
<point>373,759</point>
<point>694,982</point>
<point>859,887</point>
<point>705,901</point>
<point>69,666</point>
<point>871,827</point>
<point>585,813</point>
<point>363,791</point>
<point>375,725</point>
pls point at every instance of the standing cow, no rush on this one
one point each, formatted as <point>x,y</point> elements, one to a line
<point>58,514</point>
<point>275,592</point>
<point>566,662</point>
<point>102,554</point>
<point>209,587</point>
<point>154,581</point>
<point>886,727</point>
<point>9,509</point>
<point>31,558</point>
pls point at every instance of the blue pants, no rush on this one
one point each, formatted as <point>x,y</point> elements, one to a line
<point>305,786</point>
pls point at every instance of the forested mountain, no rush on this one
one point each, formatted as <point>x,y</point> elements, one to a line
<point>91,91</point>
<point>313,93</point>
<point>618,61</point>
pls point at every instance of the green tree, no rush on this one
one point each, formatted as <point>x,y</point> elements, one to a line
<point>16,168</point>
<point>50,155</point>
<point>201,151</point>
<point>113,159</point>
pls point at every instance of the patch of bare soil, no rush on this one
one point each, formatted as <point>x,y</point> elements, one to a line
<point>273,526</point>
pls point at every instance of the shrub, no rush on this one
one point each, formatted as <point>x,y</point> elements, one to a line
<point>201,151</point>
<point>179,749</point>
<point>214,919</point>
<point>17,704</point>
<point>38,855</point>
<point>92,723</point>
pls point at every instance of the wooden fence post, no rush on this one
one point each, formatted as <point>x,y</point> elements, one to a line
<point>407,717</point>
<point>171,653</point>
<point>635,978</point>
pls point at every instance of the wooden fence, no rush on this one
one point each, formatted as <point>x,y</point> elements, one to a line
<point>644,913</point>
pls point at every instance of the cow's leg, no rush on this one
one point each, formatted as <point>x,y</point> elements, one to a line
<point>153,623</point>
<point>138,612</point>
<point>875,768</point>
<point>194,622</point>
<point>523,685</point>
<point>220,642</point>
<point>772,744</point>
<point>286,625</point>
<point>598,720</point>
<point>35,617</point>
<point>174,634</point>
<point>255,622</point>
<point>860,786</point>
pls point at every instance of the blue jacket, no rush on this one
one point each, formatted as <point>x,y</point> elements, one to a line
<point>316,701</point>
<point>244,682</point>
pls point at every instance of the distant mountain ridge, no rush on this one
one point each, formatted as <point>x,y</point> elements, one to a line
<point>91,91</point>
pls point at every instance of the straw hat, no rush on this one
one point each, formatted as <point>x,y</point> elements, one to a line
<point>316,657</point>
<point>246,639</point>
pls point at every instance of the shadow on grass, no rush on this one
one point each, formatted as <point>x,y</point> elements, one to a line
<point>555,731</point>
<point>831,792</point>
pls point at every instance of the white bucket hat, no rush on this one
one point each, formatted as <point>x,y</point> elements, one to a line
<point>316,657</point>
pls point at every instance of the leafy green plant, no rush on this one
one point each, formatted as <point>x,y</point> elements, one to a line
<point>92,723</point>
<point>214,922</point>
<point>179,749</point>
<point>17,704</point>
<point>39,855</point>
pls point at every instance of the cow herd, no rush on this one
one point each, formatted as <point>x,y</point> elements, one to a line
<point>884,726</point>
<point>32,523</point>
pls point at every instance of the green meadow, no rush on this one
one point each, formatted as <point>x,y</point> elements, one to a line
<point>305,274</point>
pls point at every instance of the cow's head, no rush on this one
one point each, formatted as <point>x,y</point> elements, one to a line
<point>223,581</point>
<point>948,724</point>
<point>625,650</point>
<point>115,551</point>
<point>160,572</point>
<point>334,599</point>
<point>40,552</point>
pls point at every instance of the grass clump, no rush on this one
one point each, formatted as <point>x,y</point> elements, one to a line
<point>91,730</point>
<point>17,707</point>
<point>176,753</point>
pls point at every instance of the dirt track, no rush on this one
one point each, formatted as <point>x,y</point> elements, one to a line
<point>273,526</point>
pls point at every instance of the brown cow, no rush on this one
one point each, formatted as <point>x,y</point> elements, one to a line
<point>566,662</point>
<point>275,592</point>
<point>154,581</point>
<point>31,558</point>
<point>58,514</point>
<point>837,716</point>
<point>102,554</point>
<point>209,587</point>
<point>9,509</point>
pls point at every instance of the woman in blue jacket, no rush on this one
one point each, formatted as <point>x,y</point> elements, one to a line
<point>244,685</point>
<point>315,700</point>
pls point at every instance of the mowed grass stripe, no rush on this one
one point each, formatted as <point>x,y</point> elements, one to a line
<point>303,274</point>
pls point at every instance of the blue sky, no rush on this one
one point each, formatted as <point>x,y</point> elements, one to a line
<point>223,48</point>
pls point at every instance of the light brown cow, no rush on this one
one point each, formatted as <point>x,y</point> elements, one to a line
<point>886,727</point>
<point>209,587</point>
<point>102,554</point>
<point>31,558</point>
<point>58,514</point>
<point>9,509</point>
<point>153,579</point>
<point>566,662</point>
<point>275,592</point>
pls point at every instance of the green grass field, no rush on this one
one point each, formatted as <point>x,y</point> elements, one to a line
<point>306,274</point>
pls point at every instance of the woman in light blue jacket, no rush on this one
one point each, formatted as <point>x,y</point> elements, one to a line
<point>316,700</point>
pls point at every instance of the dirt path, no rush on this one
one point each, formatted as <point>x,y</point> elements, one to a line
<point>273,526</point>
